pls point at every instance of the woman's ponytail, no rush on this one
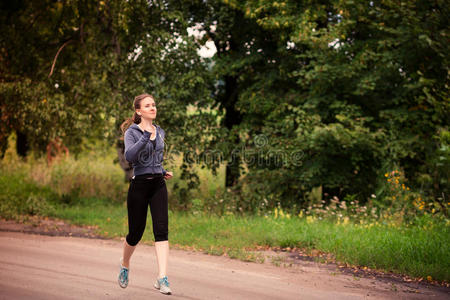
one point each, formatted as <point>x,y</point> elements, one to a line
<point>125,125</point>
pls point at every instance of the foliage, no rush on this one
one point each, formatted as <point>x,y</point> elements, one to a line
<point>300,95</point>
<point>351,88</point>
<point>109,52</point>
<point>71,70</point>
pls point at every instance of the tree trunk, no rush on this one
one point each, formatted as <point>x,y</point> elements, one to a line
<point>232,118</point>
<point>22,145</point>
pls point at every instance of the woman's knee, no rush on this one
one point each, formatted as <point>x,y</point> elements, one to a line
<point>160,237</point>
<point>134,238</point>
<point>161,230</point>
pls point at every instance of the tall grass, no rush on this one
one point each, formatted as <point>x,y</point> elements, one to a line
<point>92,174</point>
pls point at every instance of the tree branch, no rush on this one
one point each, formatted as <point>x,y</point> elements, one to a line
<point>56,56</point>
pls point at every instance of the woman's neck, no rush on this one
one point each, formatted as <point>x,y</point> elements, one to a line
<point>146,125</point>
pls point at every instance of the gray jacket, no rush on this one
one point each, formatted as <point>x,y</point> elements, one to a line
<point>140,152</point>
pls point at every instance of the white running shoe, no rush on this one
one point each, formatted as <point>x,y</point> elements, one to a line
<point>123,275</point>
<point>162,284</point>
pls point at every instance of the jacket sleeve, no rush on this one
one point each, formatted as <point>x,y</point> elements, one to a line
<point>132,147</point>
<point>163,135</point>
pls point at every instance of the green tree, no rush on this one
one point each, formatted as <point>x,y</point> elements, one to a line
<point>343,89</point>
<point>375,73</point>
<point>71,69</point>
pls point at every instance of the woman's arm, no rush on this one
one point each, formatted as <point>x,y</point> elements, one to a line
<point>163,136</point>
<point>133,148</point>
<point>166,174</point>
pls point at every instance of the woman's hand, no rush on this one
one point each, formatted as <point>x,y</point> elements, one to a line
<point>168,175</point>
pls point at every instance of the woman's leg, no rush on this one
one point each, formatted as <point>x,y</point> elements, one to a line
<point>127,252</point>
<point>160,220</point>
<point>162,255</point>
<point>137,206</point>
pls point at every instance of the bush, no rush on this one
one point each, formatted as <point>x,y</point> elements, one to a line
<point>21,197</point>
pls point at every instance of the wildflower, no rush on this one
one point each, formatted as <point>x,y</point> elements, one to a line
<point>373,196</point>
<point>429,278</point>
<point>386,175</point>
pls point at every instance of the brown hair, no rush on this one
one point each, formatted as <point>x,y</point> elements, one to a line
<point>135,118</point>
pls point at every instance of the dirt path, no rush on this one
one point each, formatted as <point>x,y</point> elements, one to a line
<point>57,267</point>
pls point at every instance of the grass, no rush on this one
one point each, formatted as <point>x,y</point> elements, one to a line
<point>412,250</point>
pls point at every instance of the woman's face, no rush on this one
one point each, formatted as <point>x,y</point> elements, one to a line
<point>148,108</point>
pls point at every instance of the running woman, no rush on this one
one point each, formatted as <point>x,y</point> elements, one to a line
<point>144,147</point>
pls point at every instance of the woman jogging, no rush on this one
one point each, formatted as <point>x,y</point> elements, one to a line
<point>144,147</point>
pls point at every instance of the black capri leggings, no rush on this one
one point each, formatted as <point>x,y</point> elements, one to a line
<point>145,190</point>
